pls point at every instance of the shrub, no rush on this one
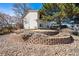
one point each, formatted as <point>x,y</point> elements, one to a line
<point>6,30</point>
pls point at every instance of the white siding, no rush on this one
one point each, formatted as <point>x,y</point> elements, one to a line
<point>30,20</point>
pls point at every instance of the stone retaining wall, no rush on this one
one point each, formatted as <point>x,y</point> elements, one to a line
<point>46,40</point>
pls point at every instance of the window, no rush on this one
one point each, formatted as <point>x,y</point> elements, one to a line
<point>41,25</point>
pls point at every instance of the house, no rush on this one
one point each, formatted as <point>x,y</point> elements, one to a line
<point>32,21</point>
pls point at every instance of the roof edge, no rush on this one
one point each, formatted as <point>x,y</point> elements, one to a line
<point>32,11</point>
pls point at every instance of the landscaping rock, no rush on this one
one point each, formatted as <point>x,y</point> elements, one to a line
<point>37,44</point>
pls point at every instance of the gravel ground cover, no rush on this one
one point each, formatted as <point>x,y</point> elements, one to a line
<point>13,45</point>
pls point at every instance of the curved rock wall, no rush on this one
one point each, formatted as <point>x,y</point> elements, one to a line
<point>44,39</point>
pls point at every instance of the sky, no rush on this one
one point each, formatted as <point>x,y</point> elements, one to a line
<point>7,7</point>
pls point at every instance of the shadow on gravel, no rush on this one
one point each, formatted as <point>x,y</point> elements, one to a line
<point>51,33</point>
<point>63,41</point>
<point>72,40</point>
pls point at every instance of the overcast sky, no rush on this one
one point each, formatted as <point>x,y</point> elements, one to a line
<point>7,7</point>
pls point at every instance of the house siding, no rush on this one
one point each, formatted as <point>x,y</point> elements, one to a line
<point>30,20</point>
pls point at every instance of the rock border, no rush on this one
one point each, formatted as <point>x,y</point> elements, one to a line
<point>50,40</point>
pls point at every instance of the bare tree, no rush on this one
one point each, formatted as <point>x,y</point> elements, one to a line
<point>21,9</point>
<point>3,20</point>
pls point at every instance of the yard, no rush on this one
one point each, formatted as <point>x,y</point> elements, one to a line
<point>54,24</point>
<point>14,45</point>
